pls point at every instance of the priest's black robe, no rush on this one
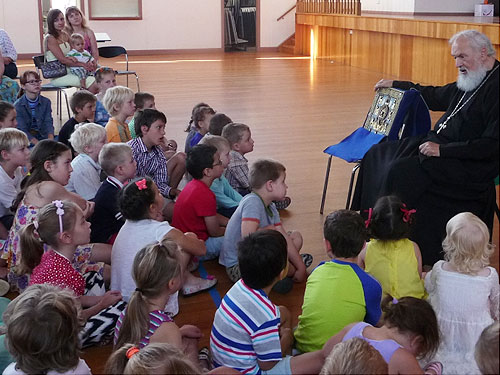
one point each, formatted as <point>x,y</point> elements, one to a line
<point>460,179</point>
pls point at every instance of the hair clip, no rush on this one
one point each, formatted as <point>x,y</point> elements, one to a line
<point>407,213</point>
<point>132,351</point>
<point>141,184</point>
<point>368,221</point>
<point>394,301</point>
<point>60,213</point>
<point>35,224</point>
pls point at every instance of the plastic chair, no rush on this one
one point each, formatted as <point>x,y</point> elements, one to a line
<point>114,51</point>
<point>38,61</point>
<point>394,114</point>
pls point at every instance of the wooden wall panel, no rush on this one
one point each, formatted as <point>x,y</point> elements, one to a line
<point>409,49</point>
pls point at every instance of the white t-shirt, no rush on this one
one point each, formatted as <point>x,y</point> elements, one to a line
<point>131,238</point>
<point>9,187</point>
<point>80,369</point>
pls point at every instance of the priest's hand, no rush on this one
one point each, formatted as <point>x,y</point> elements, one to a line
<point>429,149</point>
<point>383,83</point>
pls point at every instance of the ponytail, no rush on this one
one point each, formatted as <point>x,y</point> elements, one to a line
<point>135,324</point>
<point>31,249</point>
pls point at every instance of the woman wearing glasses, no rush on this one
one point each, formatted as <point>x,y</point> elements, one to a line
<point>56,45</point>
<point>34,112</point>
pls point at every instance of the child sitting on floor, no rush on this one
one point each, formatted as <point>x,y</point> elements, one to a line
<point>196,208</point>
<point>217,123</point>
<point>61,226</point>
<point>486,352</point>
<point>250,333</point>
<point>7,115</point>
<point>227,198</point>
<point>34,111</point>
<point>105,79</point>
<point>157,274</point>
<point>14,155</point>
<point>117,161</point>
<point>141,204</point>
<point>354,356</point>
<point>198,126</point>
<point>82,104</point>
<point>151,161</point>
<point>87,140</point>
<point>119,102</point>
<point>409,331</point>
<point>79,53</point>
<point>389,227</point>
<point>257,211</point>
<point>42,326</point>
<point>463,290</point>
<point>338,292</point>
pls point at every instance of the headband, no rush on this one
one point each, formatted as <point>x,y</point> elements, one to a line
<point>60,213</point>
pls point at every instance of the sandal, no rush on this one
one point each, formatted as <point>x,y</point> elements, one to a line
<point>205,284</point>
<point>283,204</point>
<point>205,359</point>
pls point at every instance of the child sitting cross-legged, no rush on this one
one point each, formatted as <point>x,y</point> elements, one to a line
<point>117,161</point>
<point>198,126</point>
<point>82,104</point>
<point>151,161</point>
<point>338,292</point>
<point>119,102</point>
<point>42,326</point>
<point>486,351</point>
<point>257,211</point>
<point>250,333</point>
<point>227,198</point>
<point>196,208</point>
<point>390,249</point>
<point>141,205</point>
<point>217,123</point>
<point>104,79</point>
<point>14,155</point>
<point>87,140</point>
<point>61,226</point>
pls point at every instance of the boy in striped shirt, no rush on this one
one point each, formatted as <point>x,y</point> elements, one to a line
<point>250,333</point>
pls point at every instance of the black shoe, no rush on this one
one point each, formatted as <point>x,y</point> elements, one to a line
<point>307,259</point>
<point>283,204</point>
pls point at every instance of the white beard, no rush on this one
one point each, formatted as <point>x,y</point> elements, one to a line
<point>469,81</point>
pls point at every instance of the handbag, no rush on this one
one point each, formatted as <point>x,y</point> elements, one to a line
<point>53,69</point>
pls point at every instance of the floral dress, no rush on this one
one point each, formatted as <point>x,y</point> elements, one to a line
<point>24,216</point>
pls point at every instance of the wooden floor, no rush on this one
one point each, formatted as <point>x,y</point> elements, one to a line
<point>295,108</point>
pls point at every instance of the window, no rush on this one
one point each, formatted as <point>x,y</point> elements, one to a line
<point>115,9</point>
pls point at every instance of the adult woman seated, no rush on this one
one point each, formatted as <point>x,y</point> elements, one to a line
<point>8,87</point>
<point>56,45</point>
<point>76,23</point>
<point>9,55</point>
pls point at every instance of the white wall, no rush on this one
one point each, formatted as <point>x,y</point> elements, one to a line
<point>445,6</point>
<point>400,6</point>
<point>272,32</point>
<point>20,19</point>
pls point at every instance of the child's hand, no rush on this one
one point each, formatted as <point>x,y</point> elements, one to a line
<point>191,331</point>
<point>110,298</point>
<point>89,209</point>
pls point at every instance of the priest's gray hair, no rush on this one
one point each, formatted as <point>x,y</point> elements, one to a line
<point>477,39</point>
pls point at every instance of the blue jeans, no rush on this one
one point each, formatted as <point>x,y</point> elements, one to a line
<point>214,246</point>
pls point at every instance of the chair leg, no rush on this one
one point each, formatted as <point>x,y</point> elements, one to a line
<point>59,105</point>
<point>67,103</point>
<point>325,185</point>
<point>137,80</point>
<point>351,183</point>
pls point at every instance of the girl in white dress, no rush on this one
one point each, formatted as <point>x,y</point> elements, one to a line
<point>463,291</point>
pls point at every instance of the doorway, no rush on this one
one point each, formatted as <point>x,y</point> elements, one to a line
<point>240,27</point>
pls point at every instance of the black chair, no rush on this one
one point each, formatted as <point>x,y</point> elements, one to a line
<point>114,51</point>
<point>38,61</point>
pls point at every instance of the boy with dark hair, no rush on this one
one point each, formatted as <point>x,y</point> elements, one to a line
<point>151,161</point>
<point>83,105</point>
<point>196,208</point>
<point>217,123</point>
<point>257,211</point>
<point>118,163</point>
<point>338,292</point>
<point>249,332</point>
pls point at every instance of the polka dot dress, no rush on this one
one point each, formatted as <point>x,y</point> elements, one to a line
<point>57,270</point>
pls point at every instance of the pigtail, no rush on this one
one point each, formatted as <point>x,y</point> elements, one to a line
<point>118,360</point>
<point>136,321</point>
<point>31,249</point>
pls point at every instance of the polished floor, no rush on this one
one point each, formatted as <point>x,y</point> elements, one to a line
<point>295,108</point>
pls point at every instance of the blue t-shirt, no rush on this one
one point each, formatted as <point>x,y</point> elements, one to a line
<point>251,208</point>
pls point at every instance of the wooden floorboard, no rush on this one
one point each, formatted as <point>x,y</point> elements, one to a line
<point>295,108</point>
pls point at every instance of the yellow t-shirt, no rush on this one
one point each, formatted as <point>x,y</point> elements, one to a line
<point>116,131</point>
<point>395,266</point>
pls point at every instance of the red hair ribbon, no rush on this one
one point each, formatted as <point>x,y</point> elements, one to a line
<point>141,184</point>
<point>131,351</point>
<point>368,221</point>
<point>407,213</point>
